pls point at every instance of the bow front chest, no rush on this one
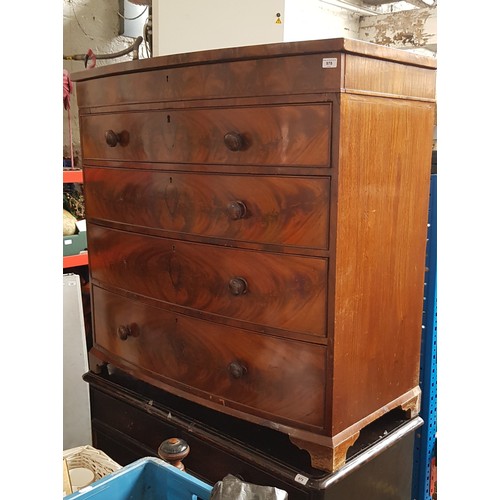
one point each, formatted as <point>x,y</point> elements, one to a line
<point>256,226</point>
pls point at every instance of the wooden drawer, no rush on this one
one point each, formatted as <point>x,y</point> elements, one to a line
<point>280,210</point>
<point>280,378</point>
<point>277,76</point>
<point>293,135</point>
<point>270,290</point>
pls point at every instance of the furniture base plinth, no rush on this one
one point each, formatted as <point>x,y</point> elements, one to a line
<point>130,419</point>
<point>330,454</point>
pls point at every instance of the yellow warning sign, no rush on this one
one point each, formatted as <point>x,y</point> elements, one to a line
<point>278,21</point>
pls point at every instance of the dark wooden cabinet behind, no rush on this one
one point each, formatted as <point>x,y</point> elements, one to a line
<point>257,228</point>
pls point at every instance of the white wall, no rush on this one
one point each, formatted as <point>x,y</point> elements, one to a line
<point>315,20</point>
<point>193,25</point>
<point>200,25</point>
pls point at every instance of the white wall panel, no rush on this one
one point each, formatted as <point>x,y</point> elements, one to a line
<point>76,402</point>
<point>193,25</point>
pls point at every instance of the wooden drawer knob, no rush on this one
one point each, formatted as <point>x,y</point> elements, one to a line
<point>173,450</point>
<point>112,138</point>
<point>126,331</point>
<point>238,286</point>
<point>237,210</point>
<point>237,369</point>
<point>233,141</point>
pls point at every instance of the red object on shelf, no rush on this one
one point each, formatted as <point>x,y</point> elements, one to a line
<point>81,259</point>
<point>73,176</point>
<point>433,480</point>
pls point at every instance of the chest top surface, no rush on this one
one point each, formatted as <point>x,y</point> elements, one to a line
<point>280,69</point>
<point>308,47</point>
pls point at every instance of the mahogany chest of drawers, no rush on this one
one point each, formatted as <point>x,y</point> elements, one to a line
<point>256,225</point>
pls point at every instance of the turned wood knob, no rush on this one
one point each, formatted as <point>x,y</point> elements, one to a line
<point>233,141</point>
<point>126,331</point>
<point>238,286</point>
<point>173,450</point>
<point>237,210</point>
<point>237,369</point>
<point>112,138</point>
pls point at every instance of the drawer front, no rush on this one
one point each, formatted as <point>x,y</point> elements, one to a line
<point>273,290</point>
<point>294,135</point>
<point>124,427</point>
<point>233,367</point>
<point>277,76</point>
<point>262,209</point>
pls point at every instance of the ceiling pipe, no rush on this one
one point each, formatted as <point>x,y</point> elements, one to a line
<point>376,3</point>
<point>423,3</point>
<point>348,6</point>
<point>415,3</point>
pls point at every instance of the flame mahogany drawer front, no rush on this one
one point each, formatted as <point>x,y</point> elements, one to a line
<point>277,210</point>
<point>256,228</point>
<point>267,290</point>
<point>296,135</point>
<point>230,366</point>
<point>205,81</point>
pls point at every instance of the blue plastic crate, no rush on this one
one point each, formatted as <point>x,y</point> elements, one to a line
<point>149,478</point>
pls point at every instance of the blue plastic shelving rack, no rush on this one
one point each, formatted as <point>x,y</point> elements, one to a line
<point>425,454</point>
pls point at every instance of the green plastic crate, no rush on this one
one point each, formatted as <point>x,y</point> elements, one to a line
<point>74,244</point>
